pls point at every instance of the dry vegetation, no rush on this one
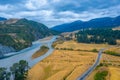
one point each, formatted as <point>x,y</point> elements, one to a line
<point>40,52</point>
<point>69,64</point>
<point>62,64</point>
<point>112,64</point>
<point>114,49</point>
<point>115,73</point>
<point>81,46</point>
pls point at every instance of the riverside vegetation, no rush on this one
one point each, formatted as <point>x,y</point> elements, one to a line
<point>18,71</point>
<point>19,33</point>
<point>40,52</point>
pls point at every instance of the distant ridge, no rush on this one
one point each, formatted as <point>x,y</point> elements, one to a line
<point>105,22</point>
<point>2,19</point>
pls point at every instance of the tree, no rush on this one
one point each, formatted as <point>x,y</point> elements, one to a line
<point>4,74</point>
<point>20,70</point>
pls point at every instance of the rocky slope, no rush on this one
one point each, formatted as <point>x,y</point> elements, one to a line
<point>17,34</point>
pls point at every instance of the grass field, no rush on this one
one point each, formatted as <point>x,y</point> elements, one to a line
<point>112,64</point>
<point>115,50</point>
<point>115,73</point>
<point>81,46</point>
<point>62,64</point>
<point>99,74</point>
<point>69,64</point>
<point>40,52</point>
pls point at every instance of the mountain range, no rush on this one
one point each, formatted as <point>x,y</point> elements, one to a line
<point>17,34</point>
<point>2,19</point>
<point>105,22</point>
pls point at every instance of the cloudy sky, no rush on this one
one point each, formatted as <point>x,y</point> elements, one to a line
<point>53,12</point>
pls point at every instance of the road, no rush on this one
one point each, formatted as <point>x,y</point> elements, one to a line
<point>27,53</point>
<point>83,77</point>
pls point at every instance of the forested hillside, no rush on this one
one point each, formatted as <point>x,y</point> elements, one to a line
<point>2,19</point>
<point>19,33</point>
<point>105,22</point>
<point>98,36</point>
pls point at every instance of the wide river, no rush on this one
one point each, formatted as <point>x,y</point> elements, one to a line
<point>27,53</point>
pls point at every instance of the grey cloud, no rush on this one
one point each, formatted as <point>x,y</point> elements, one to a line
<point>53,12</point>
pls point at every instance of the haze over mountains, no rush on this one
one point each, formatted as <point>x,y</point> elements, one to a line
<point>105,22</point>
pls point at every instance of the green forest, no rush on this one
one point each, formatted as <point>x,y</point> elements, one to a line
<point>18,71</point>
<point>20,35</point>
<point>98,36</point>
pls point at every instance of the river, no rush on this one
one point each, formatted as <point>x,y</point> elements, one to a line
<point>27,53</point>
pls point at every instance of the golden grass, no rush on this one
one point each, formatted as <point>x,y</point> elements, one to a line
<point>81,46</point>
<point>77,72</point>
<point>62,64</point>
<point>100,69</point>
<point>57,42</point>
<point>110,60</point>
<point>114,49</point>
<point>115,73</point>
<point>36,74</point>
<point>40,52</point>
<point>68,64</point>
<point>113,66</point>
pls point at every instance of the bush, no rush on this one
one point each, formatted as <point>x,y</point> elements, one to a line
<point>94,50</point>
<point>101,75</point>
<point>112,53</point>
<point>18,71</point>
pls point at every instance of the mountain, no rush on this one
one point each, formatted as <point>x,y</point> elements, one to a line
<point>17,34</point>
<point>105,22</point>
<point>2,19</point>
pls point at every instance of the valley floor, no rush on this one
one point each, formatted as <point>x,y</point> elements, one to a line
<point>62,65</point>
<point>70,60</point>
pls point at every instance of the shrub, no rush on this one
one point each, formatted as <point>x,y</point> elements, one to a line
<point>101,75</point>
<point>94,50</point>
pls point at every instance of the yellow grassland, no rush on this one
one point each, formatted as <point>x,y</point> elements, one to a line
<point>113,66</point>
<point>81,46</point>
<point>62,64</point>
<point>68,64</point>
<point>114,49</point>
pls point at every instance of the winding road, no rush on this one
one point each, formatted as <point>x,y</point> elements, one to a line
<point>27,53</point>
<point>83,77</point>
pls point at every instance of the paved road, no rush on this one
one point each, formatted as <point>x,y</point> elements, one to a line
<point>83,77</point>
<point>27,53</point>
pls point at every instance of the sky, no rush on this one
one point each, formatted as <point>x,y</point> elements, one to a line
<point>55,12</point>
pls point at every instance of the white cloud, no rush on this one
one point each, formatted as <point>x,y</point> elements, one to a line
<point>69,14</point>
<point>53,12</point>
<point>54,1</point>
<point>5,7</point>
<point>35,4</point>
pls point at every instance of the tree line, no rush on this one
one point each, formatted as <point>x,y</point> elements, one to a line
<point>98,36</point>
<point>18,71</point>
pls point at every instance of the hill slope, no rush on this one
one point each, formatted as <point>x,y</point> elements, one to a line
<point>19,33</point>
<point>2,19</point>
<point>105,22</point>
